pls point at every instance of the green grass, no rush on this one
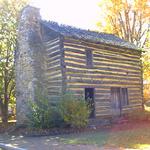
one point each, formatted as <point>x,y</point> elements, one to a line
<point>86,138</point>
<point>132,138</point>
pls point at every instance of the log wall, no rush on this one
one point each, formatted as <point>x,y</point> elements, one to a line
<point>54,71</point>
<point>112,67</point>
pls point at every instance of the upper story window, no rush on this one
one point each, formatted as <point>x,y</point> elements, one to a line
<point>89,58</point>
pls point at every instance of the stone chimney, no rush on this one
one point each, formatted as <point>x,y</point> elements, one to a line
<point>29,61</point>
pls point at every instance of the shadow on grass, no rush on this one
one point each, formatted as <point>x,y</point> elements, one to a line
<point>138,138</point>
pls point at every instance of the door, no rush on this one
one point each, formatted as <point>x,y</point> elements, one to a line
<point>116,101</point>
<point>89,97</point>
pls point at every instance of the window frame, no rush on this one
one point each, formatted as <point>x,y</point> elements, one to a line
<point>89,58</point>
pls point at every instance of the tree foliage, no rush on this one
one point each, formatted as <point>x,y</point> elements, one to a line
<point>128,19</point>
<point>9,10</point>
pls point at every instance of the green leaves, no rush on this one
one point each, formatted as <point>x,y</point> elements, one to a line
<point>9,12</point>
<point>74,110</point>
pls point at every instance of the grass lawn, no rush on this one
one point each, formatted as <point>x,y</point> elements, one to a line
<point>134,135</point>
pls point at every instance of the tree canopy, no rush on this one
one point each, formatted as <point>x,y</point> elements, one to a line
<point>128,19</point>
<point>9,11</point>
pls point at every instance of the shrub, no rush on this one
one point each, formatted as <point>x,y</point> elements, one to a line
<point>74,111</point>
<point>42,114</point>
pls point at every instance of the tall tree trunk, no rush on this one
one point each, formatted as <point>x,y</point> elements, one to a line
<point>4,112</point>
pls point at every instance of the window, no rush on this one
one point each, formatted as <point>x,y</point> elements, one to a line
<point>89,58</point>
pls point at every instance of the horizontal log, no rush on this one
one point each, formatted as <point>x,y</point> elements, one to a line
<point>134,94</point>
<point>102,103</point>
<point>101,77</point>
<point>116,54</point>
<point>53,48</point>
<point>52,41</point>
<point>53,93</point>
<point>110,69</point>
<point>53,64</point>
<point>100,64</point>
<point>81,57</point>
<point>102,100</point>
<point>102,97</point>
<point>49,73</point>
<point>74,50</point>
<point>54,54</point>
<point>71,70</point>
<point>121,65</point>
<point>115,58</point>
<point>100,73</point>
<point>107,51</point>
<point>84,44</point>
<point>75,59</point>
<point>131,93</point>
<point>103,59</point>
<point>74,53</point>
<point>57,57</point>
<point>103,109</point>
<point>57,42</point>
<point>78,49</point>
<point>104,81</point>
<point>91,85</point>
<point>51,79</point>
<point>55,68</point>
<point>103,112</point>
<point>109,60</point>
<point>55,83</point>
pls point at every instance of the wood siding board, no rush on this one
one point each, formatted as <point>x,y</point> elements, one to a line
<point>105,46</point>
<point>63,65</point>
<point>54,76</point>
<point>112,67</point>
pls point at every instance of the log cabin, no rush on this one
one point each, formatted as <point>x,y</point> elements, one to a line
<point>62,58</point>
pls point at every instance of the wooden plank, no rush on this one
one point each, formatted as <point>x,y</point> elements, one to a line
<point>95,72</point>
<point>101,77</point>
<point>92,85</point>
<point>109,60</point>
<point>54,54</point>
<point>51,41</point>
<point>104,81</point>
<point>85,44</point>
<point>71,70</point>
<point>116,58</point>
<point>53,58</point>
<point>57,42</point>
<point>54,48</point>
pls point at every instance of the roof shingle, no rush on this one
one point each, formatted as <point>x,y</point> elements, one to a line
<point>93,36</point>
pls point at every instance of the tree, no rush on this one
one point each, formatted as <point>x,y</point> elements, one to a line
<point>128,19</point>
<point>9,10</point>
<point>146,68</point>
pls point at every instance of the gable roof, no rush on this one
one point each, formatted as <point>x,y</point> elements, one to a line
<point>93,36</point>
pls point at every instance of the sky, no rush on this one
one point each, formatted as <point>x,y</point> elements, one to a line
<point>79,13</point>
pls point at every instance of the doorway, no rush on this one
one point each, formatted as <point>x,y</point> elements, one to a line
<point>115,99</point>
<point>89,97</point>
<point>119,99</point>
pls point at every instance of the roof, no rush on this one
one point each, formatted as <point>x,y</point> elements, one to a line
<point>93,36</point>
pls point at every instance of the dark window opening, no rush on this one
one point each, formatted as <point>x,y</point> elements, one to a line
<point>89,58</point>
<point>89,97</point>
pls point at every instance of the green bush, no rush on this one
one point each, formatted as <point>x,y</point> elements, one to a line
<point>74,111</point>
<point>41,114</point>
